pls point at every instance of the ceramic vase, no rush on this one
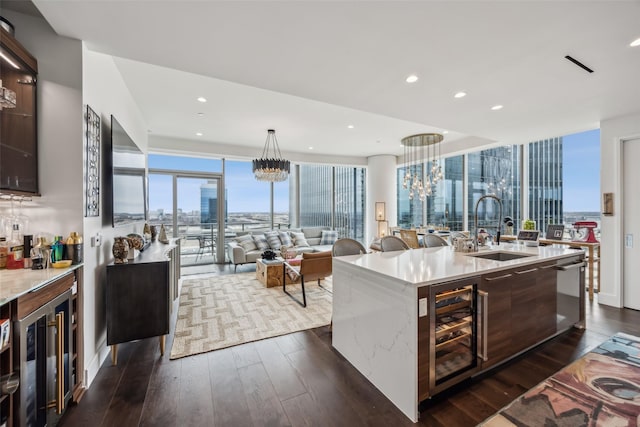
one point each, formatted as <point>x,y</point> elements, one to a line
<point>162,237</point>
<point>120,250</point>
<point>154,232</point>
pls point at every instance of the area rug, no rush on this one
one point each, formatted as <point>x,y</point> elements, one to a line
<point>602,388</point>
<point>223,311</point>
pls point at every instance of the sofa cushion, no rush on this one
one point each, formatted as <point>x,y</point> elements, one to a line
<point>313,232</point>
<point>322,248</point>
<point>273,238</point>
<point>246,242</point>
<point>299,239</point>
<point>285,238</point>
<point>261,241</point>
<point>329,237</point>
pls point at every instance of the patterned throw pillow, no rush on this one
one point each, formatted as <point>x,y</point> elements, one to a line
<point>246,242</point>
<point>261,241</point>
<point>299,239</point>
<point>274,239</point>
<point>285,238</point>
<point>329,237</point>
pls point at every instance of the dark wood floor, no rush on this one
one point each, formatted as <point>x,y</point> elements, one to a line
<point>300,380</point>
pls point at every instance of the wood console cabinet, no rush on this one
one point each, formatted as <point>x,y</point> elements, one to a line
<point>139,296</point>
<point>18,126</point>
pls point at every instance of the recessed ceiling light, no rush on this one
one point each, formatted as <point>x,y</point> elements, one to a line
<point>198,133</point>
<point>444,132</point>
<point>350,126</point>
<point>412,78</point>
<point>310,148</point>
<point>202,99</point>
<point>635,43</point>
<point>460,95</point>
<point>496,107</point>
<point>201,114</point>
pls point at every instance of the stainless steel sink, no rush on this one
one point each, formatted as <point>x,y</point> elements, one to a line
<point>500,256</point>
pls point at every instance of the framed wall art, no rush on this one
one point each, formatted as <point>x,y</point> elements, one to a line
<point>92,163</point>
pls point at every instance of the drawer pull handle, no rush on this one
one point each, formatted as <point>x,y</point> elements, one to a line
<point>491,279</point>
<point>531,270</point>
<point>570,266</point>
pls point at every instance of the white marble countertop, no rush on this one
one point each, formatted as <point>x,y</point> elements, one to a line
<point>428,266</point>
<point>14,283</point>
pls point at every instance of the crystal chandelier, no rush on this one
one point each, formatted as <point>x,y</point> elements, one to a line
<point>271,166</point>
<point>414,154</point>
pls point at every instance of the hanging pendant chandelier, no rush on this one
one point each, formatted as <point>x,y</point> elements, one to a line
<point>414,156</point>
<point>271,167</point>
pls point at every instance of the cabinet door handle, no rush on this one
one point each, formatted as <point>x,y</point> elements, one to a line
<point>570,266</point>
<point>491,279</point>
<point>484,307</point>
<point>58,403</point>
<point>531,270</point>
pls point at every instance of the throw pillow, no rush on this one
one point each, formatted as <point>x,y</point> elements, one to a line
<point>329,237</point>
<point>285,238</point>
<point>246,242</point>
<point>274,239</point>
<point>299,239</point>
<point>261,241</point>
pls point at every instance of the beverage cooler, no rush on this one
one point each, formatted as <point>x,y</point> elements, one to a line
<point>45,356</point>
<point>453,333</point>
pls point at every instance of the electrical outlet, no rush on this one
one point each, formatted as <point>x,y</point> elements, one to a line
<point>96,240</point>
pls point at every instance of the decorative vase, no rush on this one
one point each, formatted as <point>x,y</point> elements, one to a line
<point>120,250</point>
<point>162,237</point>
<point>154,232</point>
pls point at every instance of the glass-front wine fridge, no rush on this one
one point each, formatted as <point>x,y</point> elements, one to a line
<point>453,333</point>
<point>46,350</point>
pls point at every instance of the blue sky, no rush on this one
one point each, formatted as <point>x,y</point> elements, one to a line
<point>581,171</point>
<point>581,178</point>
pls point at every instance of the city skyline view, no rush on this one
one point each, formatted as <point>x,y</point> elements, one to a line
<point>581,181</point>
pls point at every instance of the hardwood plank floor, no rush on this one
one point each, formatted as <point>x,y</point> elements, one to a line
<point>300,380</point>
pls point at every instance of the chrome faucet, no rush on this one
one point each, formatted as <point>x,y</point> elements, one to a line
<point>475,219</point>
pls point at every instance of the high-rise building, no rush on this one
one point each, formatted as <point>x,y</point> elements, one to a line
<point>545,182</point>
<point>332,196</point>
<point>209,203</point>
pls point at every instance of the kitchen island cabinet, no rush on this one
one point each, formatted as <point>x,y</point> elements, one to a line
<point>388,322</point>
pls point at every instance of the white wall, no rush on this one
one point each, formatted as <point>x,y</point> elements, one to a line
<point>381,187</point>
<point>105,92</point>
<point>612,132</point>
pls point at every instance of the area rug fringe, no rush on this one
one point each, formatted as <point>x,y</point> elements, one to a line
<point>223,311</point>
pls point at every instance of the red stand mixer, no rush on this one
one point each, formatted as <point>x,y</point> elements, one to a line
<point>590,236</point>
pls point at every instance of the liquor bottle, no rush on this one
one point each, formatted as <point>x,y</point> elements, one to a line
<point>74,248</point>
<point>4,251</point>
<point>16,249</point>
<point>57,247</point>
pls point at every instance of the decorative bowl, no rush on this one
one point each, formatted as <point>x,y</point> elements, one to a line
<point>61,264</point>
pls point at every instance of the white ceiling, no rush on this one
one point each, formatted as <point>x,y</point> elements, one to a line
<point>311,68</point>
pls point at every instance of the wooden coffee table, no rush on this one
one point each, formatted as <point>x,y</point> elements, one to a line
<point>269,273</point>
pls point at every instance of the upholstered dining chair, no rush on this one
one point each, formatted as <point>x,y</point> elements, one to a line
<point>393,243</point>
<point>410,237</point>
<point>347,246</point>
<point>313,266</point>
<point>432,241</point>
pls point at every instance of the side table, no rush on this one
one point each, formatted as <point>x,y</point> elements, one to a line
<point>269,273</point>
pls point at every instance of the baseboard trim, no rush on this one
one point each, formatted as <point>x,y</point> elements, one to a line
<point>92,369</point>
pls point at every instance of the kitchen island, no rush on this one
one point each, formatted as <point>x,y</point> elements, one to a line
<point>416,322</point>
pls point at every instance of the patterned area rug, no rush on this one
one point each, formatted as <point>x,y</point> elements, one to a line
<point>602,388</point>
<point>223,311</point>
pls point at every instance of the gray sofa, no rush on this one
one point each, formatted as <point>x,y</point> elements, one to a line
<point>249,247</point>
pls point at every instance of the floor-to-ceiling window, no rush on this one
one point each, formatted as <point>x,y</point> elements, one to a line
<point>494,171</point>
<point>410,207</point>
<point>445,205</point>
<point>331,196</point>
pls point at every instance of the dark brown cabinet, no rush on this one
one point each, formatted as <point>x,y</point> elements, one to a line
<point>18,125</point>
<point>518,309</point>
<point>139,295</point>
